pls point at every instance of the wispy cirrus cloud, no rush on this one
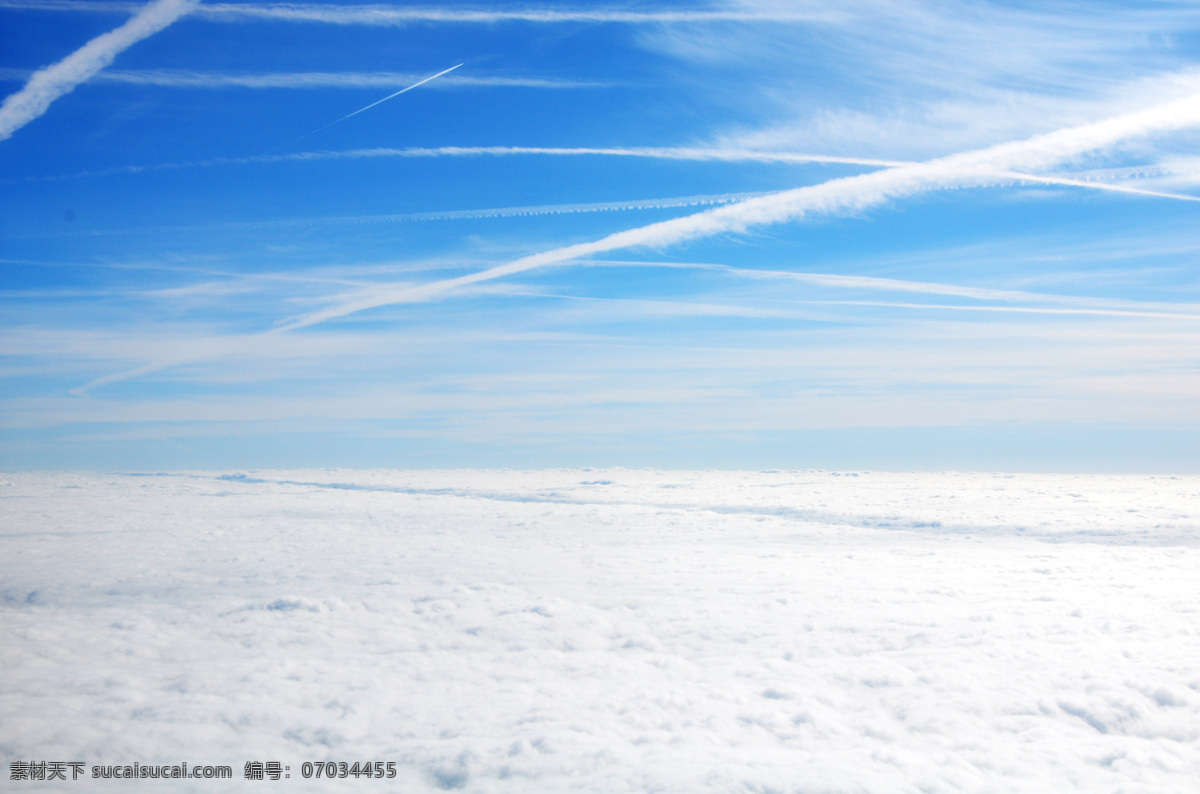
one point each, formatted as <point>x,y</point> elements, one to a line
<point>50,83</point>
<point>923,78</point>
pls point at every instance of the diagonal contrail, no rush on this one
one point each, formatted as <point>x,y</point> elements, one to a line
<point>368,107</point>
<point>48,84</point>
<point>848,194</point>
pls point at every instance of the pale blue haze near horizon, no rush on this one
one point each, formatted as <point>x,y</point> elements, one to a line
<point>203,270</point>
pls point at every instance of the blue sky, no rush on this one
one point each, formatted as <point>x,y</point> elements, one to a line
<point>871,234</point>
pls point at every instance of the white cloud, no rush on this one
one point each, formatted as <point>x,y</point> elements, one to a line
<point>48,84</point>
<point>918,79</point>
<point>612,630</point>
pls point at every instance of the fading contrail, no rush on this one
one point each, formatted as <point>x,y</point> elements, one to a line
<point>187,78</point>
<point>526,211</point>
<point>393,15</point>
<point>373,104</point>
<point>531,210</point>
<point>48,84</point>
<point>692,153</point>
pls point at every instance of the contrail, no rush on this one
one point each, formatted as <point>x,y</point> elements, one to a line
<point>373,104</point>
<point>388,15</point>
<point>48,84</point>
<point>691,153</point>
<point>1020,176</point>
<point>443,215</point>
<point>1013,309</point>
<point>840,281</point>
<point>530,210</point>
<point>847,194</point>
<point>186,78</point>
<point>699,154</point>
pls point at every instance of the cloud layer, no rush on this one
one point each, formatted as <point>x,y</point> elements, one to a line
<point>611,629</point>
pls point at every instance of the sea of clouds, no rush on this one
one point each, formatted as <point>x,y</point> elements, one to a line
<point>608,630</point>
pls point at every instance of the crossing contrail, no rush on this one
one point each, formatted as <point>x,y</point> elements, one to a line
<point>373,104</point>
<point>1013,160</point>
